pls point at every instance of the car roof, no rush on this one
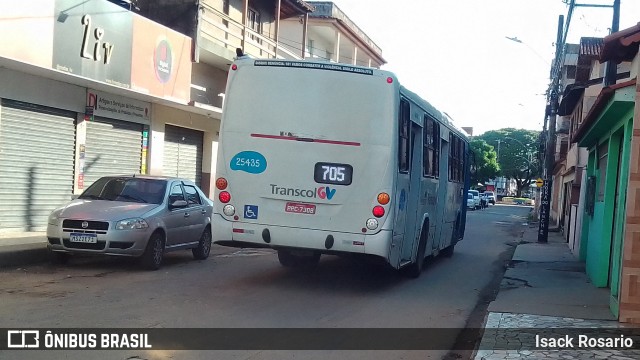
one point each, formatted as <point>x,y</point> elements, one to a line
<point>150,177</point>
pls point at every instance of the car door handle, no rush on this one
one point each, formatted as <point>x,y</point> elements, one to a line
<point>203,211</point>
<point>187,214</point>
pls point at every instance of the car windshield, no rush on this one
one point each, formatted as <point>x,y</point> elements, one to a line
<point>126,189</point>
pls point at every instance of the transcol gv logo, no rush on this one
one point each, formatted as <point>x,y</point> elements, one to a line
<point>322,192</point>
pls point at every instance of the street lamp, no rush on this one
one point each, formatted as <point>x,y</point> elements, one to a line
<point>516,40</point>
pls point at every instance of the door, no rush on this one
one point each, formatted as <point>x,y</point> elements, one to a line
<point>412,224</point>
<point>197,213</point>
<point>441,209</point>
<point>112,147</point>
<point>183,153</point>
<point>176,220</point>
<point>615,255</point>
<point>37,144</point>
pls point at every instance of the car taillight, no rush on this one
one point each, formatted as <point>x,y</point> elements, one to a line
<point>224,197</point>
<point>378,211</point>
<point>221,183</point>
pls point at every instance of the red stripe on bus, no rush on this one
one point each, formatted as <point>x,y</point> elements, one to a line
<point>333,142</point>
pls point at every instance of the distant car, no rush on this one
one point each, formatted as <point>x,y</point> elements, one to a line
<point>484,201</point>
<point>139,216</point>
<point>476,198</point>
<point>491,197</point>
<point>471,202</point>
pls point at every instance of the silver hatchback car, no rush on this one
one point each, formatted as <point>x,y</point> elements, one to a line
<point>140,216</point>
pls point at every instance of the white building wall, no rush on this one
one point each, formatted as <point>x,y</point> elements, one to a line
<point>163,115</point>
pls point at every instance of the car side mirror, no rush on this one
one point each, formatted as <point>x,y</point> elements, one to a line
<point>178,204</point>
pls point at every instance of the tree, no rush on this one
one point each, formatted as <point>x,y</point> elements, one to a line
<point>485,164</point>
<point>517,154</point>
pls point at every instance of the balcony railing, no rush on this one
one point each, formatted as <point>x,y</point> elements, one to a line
<point>221,29</point>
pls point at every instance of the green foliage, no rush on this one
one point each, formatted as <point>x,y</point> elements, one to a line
<point>517,151</point>
<point>486,165</point>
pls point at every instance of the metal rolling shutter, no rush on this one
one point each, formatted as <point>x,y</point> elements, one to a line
<point>37,147</point>
<point>113,147</point>
<point>183,153</point>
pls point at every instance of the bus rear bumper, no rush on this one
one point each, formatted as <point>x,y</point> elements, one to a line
<point>246,235</point>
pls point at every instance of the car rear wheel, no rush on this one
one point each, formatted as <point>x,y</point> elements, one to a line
<point>153,253</point>
<point>204,245</point>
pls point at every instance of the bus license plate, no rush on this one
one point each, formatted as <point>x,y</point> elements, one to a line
<point>83,238</point>
<point>300,208</point>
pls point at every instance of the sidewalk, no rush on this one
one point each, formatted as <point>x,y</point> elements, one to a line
<point>546,287</point>
<point>19,249</point>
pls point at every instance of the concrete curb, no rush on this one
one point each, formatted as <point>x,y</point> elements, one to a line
<point>21,255</point>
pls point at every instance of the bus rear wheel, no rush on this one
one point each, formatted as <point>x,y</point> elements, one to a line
<point>287,259</point>
<point>414,269</point>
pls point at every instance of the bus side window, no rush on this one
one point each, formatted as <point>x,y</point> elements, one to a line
<point>403,141</point>
<point>431,150</point>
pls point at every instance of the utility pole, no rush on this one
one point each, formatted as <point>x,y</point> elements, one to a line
<point>552,106</point>
<point>611,68</point>
<point>545,199</point>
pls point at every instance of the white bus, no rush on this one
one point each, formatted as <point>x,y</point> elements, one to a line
<point>325,158</point>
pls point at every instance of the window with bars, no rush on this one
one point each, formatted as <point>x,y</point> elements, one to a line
<point>431,149</point>
<point>404,133</point>
<point>456,158</point>
<point>253,22</point>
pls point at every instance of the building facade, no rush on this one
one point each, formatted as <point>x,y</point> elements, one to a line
<point>610,131</point>
<point>79,84</point>
<point>95,88</point>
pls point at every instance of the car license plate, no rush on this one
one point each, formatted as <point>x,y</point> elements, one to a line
<point>84,238</point>
<point>300,208</point>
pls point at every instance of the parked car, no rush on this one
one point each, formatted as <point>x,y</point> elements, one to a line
<point>471,202</point>
<point>491,197</point>
<point>476,198</point>
<point>139,216</point>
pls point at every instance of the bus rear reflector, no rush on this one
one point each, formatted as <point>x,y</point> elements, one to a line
<point>221,183</point>
<point>378,211</point>
<point>383,198</point>
<point>224,197</point>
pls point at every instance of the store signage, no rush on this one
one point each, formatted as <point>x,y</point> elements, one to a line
<point>98,33</point>
<point>93,39</point>
<point>118,107</point>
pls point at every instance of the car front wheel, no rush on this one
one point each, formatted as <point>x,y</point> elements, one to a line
<point>153,253</point>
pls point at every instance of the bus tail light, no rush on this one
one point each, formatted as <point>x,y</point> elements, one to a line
<point>378,211</point>
<point>224,197</point>
<point>383,198</point>
<point>229,210</point>
<point>221,183</point>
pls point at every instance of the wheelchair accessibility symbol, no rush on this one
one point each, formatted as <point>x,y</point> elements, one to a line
<point>250,211</point>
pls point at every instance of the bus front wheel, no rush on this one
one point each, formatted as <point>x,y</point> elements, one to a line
<point>287,259</point>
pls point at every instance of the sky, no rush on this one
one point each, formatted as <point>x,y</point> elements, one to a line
<point>455,53</point>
